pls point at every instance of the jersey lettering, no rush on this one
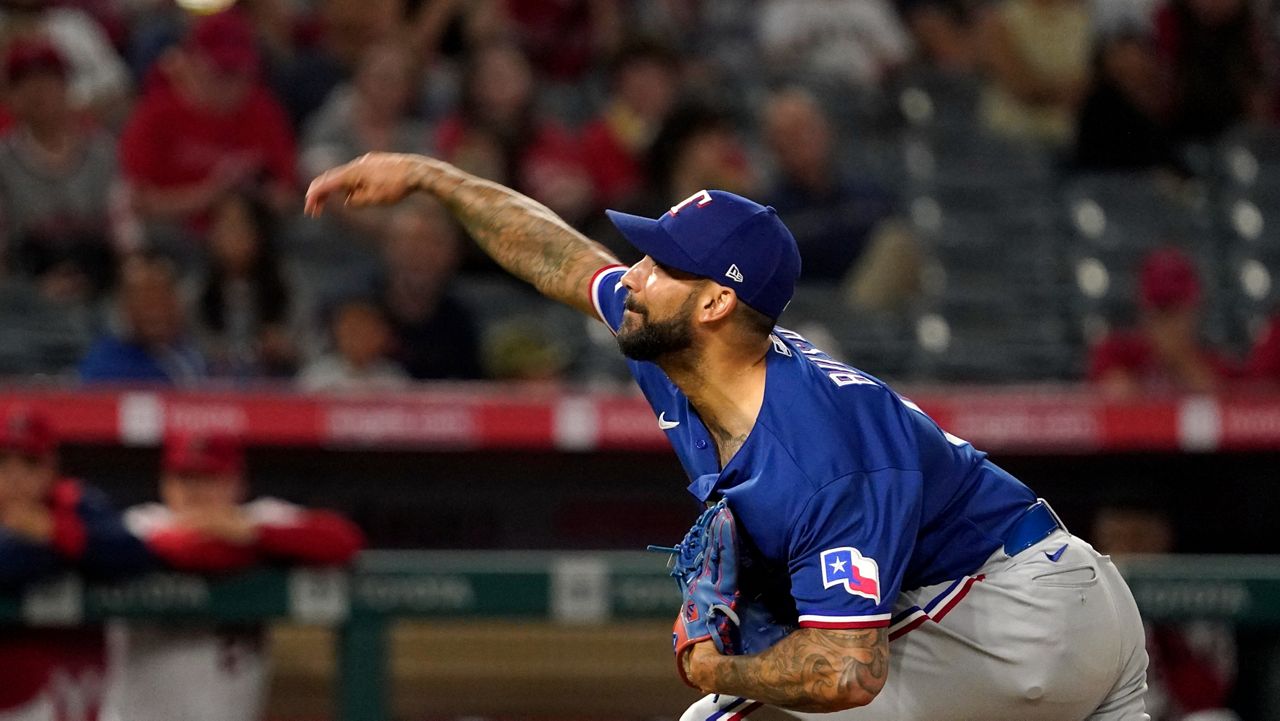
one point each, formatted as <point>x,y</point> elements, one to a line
<point>837,372</point>
<point>701,197</point>
<point>779,346</point>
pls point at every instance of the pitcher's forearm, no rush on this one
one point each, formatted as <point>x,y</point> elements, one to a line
<point>521,234</point>
<point>813,670</point>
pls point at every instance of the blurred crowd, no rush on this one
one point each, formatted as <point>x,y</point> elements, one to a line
<point>152,161</point>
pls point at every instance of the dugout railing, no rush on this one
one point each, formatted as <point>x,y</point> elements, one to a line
<point>580,588</point>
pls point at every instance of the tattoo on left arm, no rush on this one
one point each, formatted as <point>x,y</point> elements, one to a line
<point>813,669</point>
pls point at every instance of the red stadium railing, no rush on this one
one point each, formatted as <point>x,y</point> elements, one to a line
<point>470,417</point>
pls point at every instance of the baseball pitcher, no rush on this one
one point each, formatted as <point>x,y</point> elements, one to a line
<point>921,581</point>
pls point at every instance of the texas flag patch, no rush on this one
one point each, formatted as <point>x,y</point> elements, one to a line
<point>846,566</point>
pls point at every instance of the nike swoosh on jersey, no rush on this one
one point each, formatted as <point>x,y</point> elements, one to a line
<point>665,424</point>
<point>1056,554</point>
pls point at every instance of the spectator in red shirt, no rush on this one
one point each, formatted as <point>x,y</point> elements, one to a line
<point>566,38</point>
<point>206,124</point>
<point>497,134</point>
<point>1164,354</point>
<point>203,525</point>
<point>645,84</point>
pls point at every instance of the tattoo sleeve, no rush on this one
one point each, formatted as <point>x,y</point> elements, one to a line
<point>810,670</point>
<point>522,235</point>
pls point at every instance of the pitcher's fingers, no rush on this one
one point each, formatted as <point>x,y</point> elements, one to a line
<point>322,187</point>
<point>362,194</point>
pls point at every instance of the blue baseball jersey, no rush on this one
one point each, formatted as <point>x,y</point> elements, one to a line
<point>843,485</point>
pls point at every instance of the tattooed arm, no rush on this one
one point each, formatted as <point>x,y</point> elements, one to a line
<point>522,235</point>
<point>813,669</point>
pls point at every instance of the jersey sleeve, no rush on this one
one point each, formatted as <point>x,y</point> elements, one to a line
<point>607,294</point>
<point>103,546</point>
<point>182,549</point>
<point>849,548</point>
<point>293,534</point>
<point>23,562</point>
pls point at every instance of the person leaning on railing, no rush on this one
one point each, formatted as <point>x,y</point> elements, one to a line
<point>50,524</point>
<point>203,525</point>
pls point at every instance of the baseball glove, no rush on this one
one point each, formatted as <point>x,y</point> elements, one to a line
<point>706,568</point>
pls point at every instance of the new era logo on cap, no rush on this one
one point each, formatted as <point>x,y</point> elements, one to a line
<point>716,234</point>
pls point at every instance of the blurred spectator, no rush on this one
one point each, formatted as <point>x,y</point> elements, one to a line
<point>244,305</point>
<point>98,81</point>
<point>709,38</point>
<point>150,343</point>
<point>206,125</point>
<point>644,87</point>
<point>56,175</point>
<point>833,216</point>
<point>943,31</point>
<point>1123,124</point>
<point>853,42</point>
<point>565,39</point>
<point>435,333</point>
<point>1215,50</point>
<point>1037,55</point>
<point>350,27</point>
<point>1192,667</point>
<point>359,361</point>
<point>697,148</point>
<point>368,114</point>
<point>50,524</point>
<point>202,524</point>
<point>448,29</point>
<point>497,134</point>
<point>1164,354</point>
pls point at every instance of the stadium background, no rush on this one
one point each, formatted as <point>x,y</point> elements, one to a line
<point>975,185</point>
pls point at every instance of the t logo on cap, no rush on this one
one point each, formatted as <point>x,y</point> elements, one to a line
<point>702,197</point>
<point>716,234</point>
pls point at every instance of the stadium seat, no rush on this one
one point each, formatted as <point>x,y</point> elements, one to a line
<point>1251,265</point>
<point>1115,221</point>
<point>928,97</point>
<point>39,337</point>
<point>989,344</point>
<point>876,342</point>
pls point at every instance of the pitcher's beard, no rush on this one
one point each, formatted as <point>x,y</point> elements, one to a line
<point>652,340</point>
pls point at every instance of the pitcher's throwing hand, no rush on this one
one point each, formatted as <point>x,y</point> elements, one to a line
<point>371,179</point>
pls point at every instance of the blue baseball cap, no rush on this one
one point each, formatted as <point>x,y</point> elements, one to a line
<point>725,237</point>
